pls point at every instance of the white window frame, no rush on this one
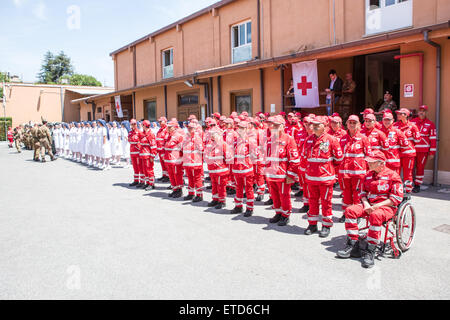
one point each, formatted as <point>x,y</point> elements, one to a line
<point>167,68</point>
<point>246,44</point>
<point>396,16</point>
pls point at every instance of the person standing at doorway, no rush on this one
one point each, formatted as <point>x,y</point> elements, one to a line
<point>335,87</point>
<point>388,104</point>
<point>348,88</point>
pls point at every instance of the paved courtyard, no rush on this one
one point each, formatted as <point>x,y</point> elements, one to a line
<point>70,232</point>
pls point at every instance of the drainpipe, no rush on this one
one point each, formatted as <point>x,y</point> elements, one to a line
<point>261,82</point>
<point>438,102</point>
<point>165,101</point>
<point>420,55</point>
<point>134,105</point>
<point>206,95</point>
<point>219,93</point>
<point>259,28</point>
<point>282,88</point>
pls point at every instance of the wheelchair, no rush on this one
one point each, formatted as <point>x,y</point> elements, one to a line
<point>399,231</point>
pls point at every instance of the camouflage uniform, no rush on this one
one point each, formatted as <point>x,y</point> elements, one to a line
<point>36,143</point>
<point>45,140</point>
<point>18,136</point>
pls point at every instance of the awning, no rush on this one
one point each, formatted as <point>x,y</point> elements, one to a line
<point>91,91</point>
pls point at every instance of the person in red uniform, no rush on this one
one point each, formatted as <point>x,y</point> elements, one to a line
<point>323,153</point>
<point>147,155</point>
<point>230,136</point>
<point>377,124</point>
<point>356,147</point>
<point>282,161</point>
<point>407,153</point>
<point>10,137</point>
<point>396,140</point>
<point>135,149</point>
<point>381,193</point>
<point>174,159</point>
<point>335,129</point>
<point>218,157</point>
<point>377,139</point>
<point>258,168</point>
<point>161,138</point>
<point>245,155</point>
<point>193,162</point>
<point>426,147</point>
<point>304,163</point>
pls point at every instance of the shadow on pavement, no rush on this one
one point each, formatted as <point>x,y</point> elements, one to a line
<point>290,229</point>
<point>124,185</point>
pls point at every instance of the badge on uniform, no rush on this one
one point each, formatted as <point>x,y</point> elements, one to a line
<point>324,146</point>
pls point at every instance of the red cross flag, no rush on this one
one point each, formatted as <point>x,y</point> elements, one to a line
<point>118,107</point>
<point>306,88</point>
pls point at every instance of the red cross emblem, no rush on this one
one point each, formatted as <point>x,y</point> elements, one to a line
<point>304,86</point>
<point>117,107</point>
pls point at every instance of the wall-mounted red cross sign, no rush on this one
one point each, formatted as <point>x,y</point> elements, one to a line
<point>304,86</point>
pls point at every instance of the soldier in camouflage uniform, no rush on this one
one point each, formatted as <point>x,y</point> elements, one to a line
<point>36,143</point>
<point>45,140</point>
<point>18,136</point>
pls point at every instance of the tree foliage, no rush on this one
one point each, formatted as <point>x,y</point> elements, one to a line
<point>82,80</point>
<point>54,67</point>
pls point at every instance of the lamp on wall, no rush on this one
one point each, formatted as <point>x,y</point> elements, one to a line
<point>188,83</point>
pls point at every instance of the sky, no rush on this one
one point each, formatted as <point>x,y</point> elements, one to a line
<point>86,30</point>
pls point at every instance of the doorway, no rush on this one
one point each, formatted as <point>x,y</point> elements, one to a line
<point>242,101</point>
<point>380,72</point>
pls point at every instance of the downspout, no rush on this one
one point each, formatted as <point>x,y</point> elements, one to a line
<point>211,94</point>
<point>219,93</point>
<point>420,55</point>
<point>261,81</point>
<point>282,88</point>
<point>438,103</point>
<point>165,101</point>
<point>206,95</point>
<point>134,105</point>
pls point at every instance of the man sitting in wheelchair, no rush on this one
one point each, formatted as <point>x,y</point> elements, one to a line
<point>381,193</point>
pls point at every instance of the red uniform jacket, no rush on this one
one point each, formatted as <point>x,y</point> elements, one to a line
<point>412,134</point>
<point>396,140</point>
<point>377,139</point>
<point>427,129</point>
<point>148,145</point>
<point>173,154</point>
<point>282,159</point>
<point>193,150</point>
<point>382,186</point>
<point>323,154</point>
<point>161,138</point>
<point>246,153</point>
<point>218,157</point>
<point>134,138</point>
<point>355,149</point>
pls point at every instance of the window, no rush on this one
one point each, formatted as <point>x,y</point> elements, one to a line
<point>241,40</point>
<point>89,116</point>
<point>187,99</point>
<point>167,63</point>
<point>242,101</point>
<point>150,110</point>
<point>388,15</point>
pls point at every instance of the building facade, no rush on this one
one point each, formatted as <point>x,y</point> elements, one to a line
<point>237,55</point>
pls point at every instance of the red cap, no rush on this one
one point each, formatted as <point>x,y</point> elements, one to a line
<point>172,123</point>
<point>228,120</point>
<point>146,123</point>
<point>291,114</point>
<point>424,107</point>
<point>243,124</point>
<point>162,119</point>
<point>223,118</point>
<point>212,122</point>
<point>388,115</point>
<point>404,110</point>
<point>319,120</point>
<point>370,116</point>
<point>353,117</point>
<point>277,120</point>
<point>245,114</point>
<point>192,125</point>
<point>368,111</point>
<point>133,121</point>
<point>377,155</point>
<point>335,114</point>
<point>217,115</point>
<point>336,119</point>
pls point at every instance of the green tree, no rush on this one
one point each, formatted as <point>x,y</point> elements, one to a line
<point>82,80</point>
<point>4,77</point>
<point>54,67</point>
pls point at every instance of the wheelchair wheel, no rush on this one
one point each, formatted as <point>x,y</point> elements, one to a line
<point>405,226</point>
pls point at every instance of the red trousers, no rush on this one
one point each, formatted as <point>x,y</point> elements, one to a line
<point>421,161</point>
<point>195,178</point>
<point>147,170</point>
<point>304,186</point>
<point>219,187</point>
<point>320,194</point>
<point>135,161</point>
<point>163,164</point>
<point>280,193</point>
<point>376,220</point>
<point>259,179</point>
<point>175,172</point>
<point>231,181</point>
<point>351,188</point>
<point>408,167</point>
<point>394,167</point>
<point>244,182</point>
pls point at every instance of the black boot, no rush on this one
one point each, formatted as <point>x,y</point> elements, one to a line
<point>349,247</point>
<point>170,195</point>
<point>209,187</point>
<point>416,189</point>
<point>54,159</point>
<point>299,194</point>
<point>197,199</point>
<point>165,179</point>
<point>268,202</point>
<point>342,219</point>
<point>283,221</point>
<point>368,256</point>
<point>248,213</point>
<point>236,210</point>
<point>259,198</point>
<point>276,218</point>
<point>304,209</point>
<point>169,188</point>
<point>295,187</point>
<point>140,186</point>
<point>219,206</point>
<point>213,203</point>
<point>177,194</point>
<point>311,229</point>
<point>148,187</point>
<point>325,232</point>
<point>188,197</point>
<point>133,184</point>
